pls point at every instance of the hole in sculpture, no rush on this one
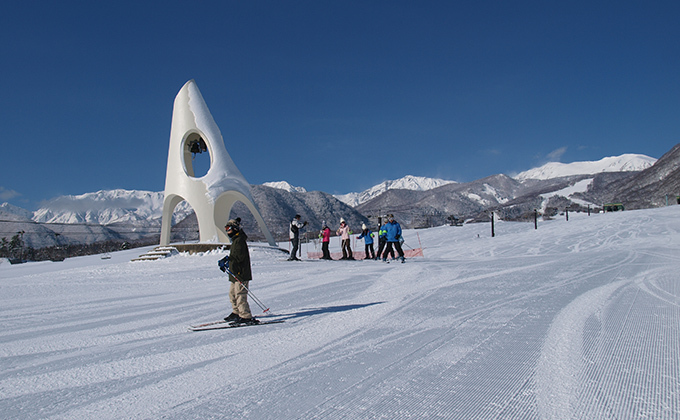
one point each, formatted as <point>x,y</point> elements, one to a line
<point>197,159</point>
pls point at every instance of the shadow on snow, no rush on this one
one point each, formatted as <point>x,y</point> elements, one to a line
<point>318,311</point>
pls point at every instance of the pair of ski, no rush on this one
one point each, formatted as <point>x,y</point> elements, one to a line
<point>224,324</point>
<point>221,325</point>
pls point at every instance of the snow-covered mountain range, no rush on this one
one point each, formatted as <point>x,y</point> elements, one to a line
<point>409,182</point>
<point>145,207</point>
<point>13,213</point>
<point>283,185</point>
<point>106,207</point>
<point>623,163</point>
<point>410,197</point>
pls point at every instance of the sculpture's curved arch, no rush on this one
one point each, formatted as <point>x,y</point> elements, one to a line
<point>226,202</point>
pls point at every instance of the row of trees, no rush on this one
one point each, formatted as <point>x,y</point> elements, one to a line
<point>15,251</point>
<point>14,248</point>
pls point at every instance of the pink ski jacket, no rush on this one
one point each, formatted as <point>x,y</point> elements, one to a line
<point>343,230</point>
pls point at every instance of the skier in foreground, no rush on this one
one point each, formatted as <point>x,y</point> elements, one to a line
<point>240,274</point>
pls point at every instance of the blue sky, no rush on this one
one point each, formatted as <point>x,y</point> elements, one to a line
<point>332,96</point>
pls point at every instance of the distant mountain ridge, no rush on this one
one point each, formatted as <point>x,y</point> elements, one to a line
<point>409,182</point>
<point>283,185</point>
<point>106,207</point>
<point>656,186</point>
<point>131,214</point>
<point>551,170</point>
<point>577,186</point>
<point>623,163</point>
<point>14,213</point>
<point>416,201</point>
<point>433,207</point>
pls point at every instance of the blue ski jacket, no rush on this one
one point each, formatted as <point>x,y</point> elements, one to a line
<point>367,235</point>
<point>393,231</point>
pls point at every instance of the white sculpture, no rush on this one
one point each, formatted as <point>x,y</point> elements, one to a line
<point>213,195</point>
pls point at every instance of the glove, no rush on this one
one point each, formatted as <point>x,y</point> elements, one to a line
<point>223,264</point>
<point>396,236</point>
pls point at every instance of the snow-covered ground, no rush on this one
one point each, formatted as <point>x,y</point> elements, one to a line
<point>578,319</point>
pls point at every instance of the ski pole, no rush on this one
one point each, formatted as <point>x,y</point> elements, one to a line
<point>255,299</point>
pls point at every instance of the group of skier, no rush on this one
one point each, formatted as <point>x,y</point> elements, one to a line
<point>389,240</point>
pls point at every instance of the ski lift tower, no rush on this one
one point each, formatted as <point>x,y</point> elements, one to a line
<point>212,195</point>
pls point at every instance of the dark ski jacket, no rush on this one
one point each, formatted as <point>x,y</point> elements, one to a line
<point>239,258</point>
<point>382,234</point>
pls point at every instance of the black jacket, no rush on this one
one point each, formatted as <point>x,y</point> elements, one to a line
<point>239,258</point>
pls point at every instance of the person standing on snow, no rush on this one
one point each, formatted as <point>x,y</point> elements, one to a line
<point>325,241</point>
<point>382,240</point>
<point>295,227</point>
<point>240,274</point>
<point>393,233</point>
<point>344,233</point>
<point>368,241</point>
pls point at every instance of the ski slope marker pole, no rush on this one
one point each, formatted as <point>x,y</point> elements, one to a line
<point>255,299</point>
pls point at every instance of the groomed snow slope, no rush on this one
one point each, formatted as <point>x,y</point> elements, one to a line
<point>577,319</point>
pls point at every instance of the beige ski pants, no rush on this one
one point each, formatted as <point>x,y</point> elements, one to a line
<point>238,295</point>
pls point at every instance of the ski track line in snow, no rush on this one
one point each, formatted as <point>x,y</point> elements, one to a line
<point>324,350</point>
<point>464,410</point>
<point>156,372</point>
<point>436,341</point>
<point>600,351</point>
<point>613,378</point>
<point>89,319</point>
<point>642,342</point>
<point>145,362</point>
<point>343,342</point>
<point>334,405</point>
<point>560,360</point>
